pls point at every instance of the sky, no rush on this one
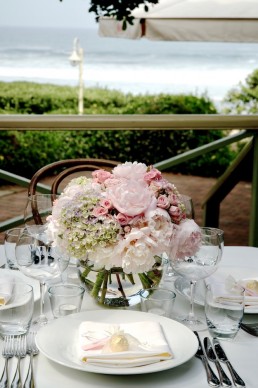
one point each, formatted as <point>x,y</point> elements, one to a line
<point>47,13</point>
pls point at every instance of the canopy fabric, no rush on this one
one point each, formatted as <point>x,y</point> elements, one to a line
<point>190,20</point>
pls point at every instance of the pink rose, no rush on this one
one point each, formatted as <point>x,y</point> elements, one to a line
<point>173,199</point>
<point>99,211</point>
<point>130,197</point>
<point>155,187</point>
<point>123,219</point>
<point>152,175</point>
<point>106,203</point>
<point>169,187</point>
<point>100,176</point>
<point>174,211</point>
<point>127,229</point>
<point>176,214</point>
<point>163,202</point>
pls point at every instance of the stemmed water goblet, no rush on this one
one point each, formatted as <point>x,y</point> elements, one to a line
<point>220,233</point>
<point>189,206</point>
<point>38,258</point>
<point>187,201</point>
<point>37,209</point>
<point>203,263</point>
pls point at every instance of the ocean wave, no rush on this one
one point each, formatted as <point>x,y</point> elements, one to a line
<point>138,67</point>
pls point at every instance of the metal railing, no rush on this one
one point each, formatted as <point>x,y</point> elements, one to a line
<point>247,126</point>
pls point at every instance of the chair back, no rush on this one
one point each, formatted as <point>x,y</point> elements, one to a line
<point>64,168</point>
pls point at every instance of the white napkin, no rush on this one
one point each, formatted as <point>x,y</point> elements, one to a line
<point>225,288</point>
<point>6,289</point>
<point>124,345</point>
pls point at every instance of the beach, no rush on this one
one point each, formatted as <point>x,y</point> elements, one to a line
<point>41,55</point>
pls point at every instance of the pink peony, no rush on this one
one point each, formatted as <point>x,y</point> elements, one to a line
<point>112,182</point>
<point>130,170</point>
<point>123,219</point>
<point>130,197</point>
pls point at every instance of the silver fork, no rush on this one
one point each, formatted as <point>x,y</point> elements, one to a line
<point>7,352</point>
<point>19,352</point>
<point>32,350</point>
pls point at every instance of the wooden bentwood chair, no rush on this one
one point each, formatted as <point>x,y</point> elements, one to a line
<point>59,171</point>
<point>64,168</point>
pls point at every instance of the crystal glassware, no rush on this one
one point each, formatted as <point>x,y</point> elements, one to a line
<point>10,239</point>
<point>169,273</point>
<point>16,313</point>
<point>37,209</point>
<point>189,207</point>
<point>196,267</point>
<point>37,258</point>
<point>220,235</point>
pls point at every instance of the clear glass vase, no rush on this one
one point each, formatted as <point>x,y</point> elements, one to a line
<point>114,288</point>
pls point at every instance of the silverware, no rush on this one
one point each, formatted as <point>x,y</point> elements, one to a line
<point>223,358</point>
<point>224,380</point>
<point>250,328</point>
<point>19,352</point>
<point>7,353</point>
<point>212,379</point>
<point>32,350</point>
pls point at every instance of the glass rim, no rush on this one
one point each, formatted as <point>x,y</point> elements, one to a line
<point>172,294</point>
<point>210,286</point>
<point>211,229</point>
<point>80,289</point>
<point>11,232</point>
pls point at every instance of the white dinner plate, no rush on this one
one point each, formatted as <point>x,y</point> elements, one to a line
<point>57,340</point>
<point>182,285</point>
<point>18,275</point>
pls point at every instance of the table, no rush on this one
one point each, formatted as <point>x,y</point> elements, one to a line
<point>242,352</point>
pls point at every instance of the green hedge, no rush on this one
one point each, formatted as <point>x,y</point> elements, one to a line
<point>23,152</point>
<point>243,99</point>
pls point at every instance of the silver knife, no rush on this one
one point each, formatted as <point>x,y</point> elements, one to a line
<point>224,380</point>
<point>223,358</point>
<point>212,379</point>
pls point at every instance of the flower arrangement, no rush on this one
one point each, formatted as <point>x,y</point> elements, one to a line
<point>122,218</point>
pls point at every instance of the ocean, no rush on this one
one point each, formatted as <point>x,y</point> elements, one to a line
<point>131,66</point>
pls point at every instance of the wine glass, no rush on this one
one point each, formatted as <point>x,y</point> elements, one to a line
<point>38,258</point>
<point>189,207</point>
<point>37,210</point>
<point>187,201</point>
<point>220,235</point>
<point>196,267</point>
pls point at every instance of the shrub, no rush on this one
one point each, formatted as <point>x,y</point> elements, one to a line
<point>24,152</point>
<point>243,99</point>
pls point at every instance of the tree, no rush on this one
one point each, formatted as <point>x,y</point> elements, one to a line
<point>119,9</point>
<point>243,99</point>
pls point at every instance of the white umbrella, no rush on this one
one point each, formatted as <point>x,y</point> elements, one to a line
<point>190,20</point>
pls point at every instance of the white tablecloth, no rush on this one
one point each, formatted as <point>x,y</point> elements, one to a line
<point>242,352</point>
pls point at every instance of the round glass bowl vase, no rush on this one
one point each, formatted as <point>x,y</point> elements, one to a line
<point>114,288</point>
